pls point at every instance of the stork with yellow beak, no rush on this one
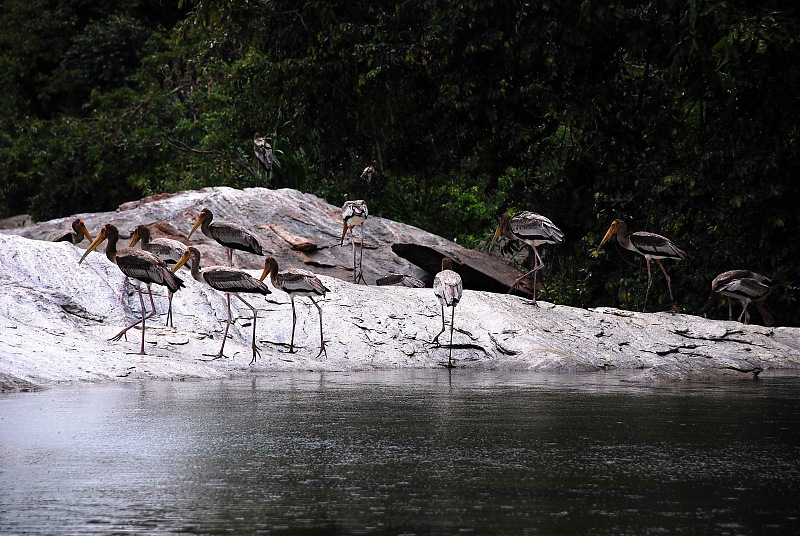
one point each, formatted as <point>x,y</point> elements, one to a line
<point>142,266</point>
<point>650,245</point>
<point>228,234</point>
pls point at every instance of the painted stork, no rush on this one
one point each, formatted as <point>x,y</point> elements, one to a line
<point>230,281</point>
<point>228,234</point>
<point>532,229</point>
<point>75,236</point>
<point>166,249</point>
<point>745,286</point>
<point>650,245</point>
<point>354,214</point>
<point>448,287</point>
<point>297,282</point>
<point>263,150</point>
<point>142,266</point>
<point>393,278</point>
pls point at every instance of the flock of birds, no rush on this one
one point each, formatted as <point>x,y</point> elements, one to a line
<point>151,265</point>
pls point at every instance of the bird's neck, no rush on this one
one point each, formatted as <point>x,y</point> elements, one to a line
<point>111,251</point>
<point>623,238</point>
<point>195,268</point>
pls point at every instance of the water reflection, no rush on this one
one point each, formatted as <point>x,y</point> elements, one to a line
<point>411,452</point>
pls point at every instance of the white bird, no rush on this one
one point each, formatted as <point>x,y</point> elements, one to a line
<point>650,245</point>
<point>141,266</point>
<point>354,214</point>
<point>447,286</point>
<point>230,281</point>
<point>228,234</point>
<point>532,229</point>
<point>166,249</point>
<point>296,282</point>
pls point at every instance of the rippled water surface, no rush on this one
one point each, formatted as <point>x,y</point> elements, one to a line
<point>409,452</point>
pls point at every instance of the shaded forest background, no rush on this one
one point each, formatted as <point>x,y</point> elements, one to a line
<point>680,117</point>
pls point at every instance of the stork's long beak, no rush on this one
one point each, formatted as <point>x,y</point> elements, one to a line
<point>85,231</point>
<point>184,258</point>
<point>97,241</point>
<point>200,219</point>
<point>609,234</point>
<point>496,236</point>
<point>135,238</point>
<point>265,273</point>
<point>344,232</point>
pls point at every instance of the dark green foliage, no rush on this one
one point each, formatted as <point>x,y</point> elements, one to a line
<point>678,116</point>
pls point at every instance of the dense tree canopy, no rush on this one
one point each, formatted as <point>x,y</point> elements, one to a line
<point>678,116</point>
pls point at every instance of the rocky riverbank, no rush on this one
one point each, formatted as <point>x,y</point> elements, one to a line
<point>56,316</point>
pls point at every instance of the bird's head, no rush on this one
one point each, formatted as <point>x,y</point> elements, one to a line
<point>204,216</point>
<point>185,256</point>
<point>80,227</point>
<point>101,236</point>
<point>138,234</point>
<point>270,268</point>
<point>502,228</point>
<point>611,230</point>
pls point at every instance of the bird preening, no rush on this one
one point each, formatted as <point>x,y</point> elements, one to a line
<point>532,229</point>
<point>747,287</point>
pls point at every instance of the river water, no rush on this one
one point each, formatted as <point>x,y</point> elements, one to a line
<point>403,452</point>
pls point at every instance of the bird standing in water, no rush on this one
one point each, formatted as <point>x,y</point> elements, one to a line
<point>296,282</point>
<point>354,214</point>
<point>228,234</point>
<point>447,286</point>
<point>230,281</point>
<point>532,229</point>
<point>649,245</point>
<point>142,266</point>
